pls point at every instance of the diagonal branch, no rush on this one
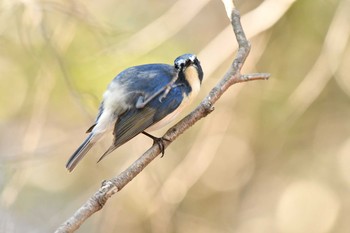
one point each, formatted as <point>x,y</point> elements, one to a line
<point>232,76</point>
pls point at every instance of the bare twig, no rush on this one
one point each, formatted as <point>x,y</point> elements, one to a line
<point>232,76</point>
<point>256,21</point>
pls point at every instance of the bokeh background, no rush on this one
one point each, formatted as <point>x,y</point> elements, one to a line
<point>273,157</point>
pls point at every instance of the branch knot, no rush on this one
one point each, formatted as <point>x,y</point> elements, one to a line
<point>207,107</point>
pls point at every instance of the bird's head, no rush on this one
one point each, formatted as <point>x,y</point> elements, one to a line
<point>189,66</point>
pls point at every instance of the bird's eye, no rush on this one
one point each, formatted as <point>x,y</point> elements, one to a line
<point>179,65</point>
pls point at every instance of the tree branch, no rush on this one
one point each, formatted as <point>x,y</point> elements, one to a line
<point>232,76</point>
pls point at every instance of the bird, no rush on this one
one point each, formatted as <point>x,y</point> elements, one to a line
<point>141,99</point>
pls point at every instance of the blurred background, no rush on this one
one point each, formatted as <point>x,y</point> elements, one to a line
<point>274,156</point>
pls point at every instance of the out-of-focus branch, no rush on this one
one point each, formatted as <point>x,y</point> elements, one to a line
<point>232,76</point>
<point>173,25</point>
<point>255,22</point>
<point>325,66</point>
<point>31,137</point>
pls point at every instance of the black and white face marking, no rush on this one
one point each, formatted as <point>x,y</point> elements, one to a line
<point>188,60</point>
<point>184,61</point>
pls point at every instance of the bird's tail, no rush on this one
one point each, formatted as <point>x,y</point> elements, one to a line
<point>82,150</point>
<point>110,149</point>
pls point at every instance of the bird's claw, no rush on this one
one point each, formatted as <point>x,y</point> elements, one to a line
<point>158,141</point>
<point>166,91</point>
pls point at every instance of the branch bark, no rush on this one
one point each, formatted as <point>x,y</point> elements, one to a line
<point>232,76</point>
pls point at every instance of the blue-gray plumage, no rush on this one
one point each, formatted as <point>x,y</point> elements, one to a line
<point>140,98</point>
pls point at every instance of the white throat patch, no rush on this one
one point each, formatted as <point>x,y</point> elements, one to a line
<point>192,78</point>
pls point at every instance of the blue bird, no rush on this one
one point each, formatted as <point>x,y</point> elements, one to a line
<point>142,98</point>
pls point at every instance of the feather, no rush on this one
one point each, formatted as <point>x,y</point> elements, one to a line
<point>129,125</point>
<point>82,150</point>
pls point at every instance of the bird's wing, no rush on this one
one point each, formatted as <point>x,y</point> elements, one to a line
<point>135,121</point>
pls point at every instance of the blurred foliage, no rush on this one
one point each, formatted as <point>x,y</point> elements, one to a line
<point>273,157</point>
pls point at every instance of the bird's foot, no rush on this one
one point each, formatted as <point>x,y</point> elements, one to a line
<point>167,90</point>
<point>158,141</point>
<point>142,101</point>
